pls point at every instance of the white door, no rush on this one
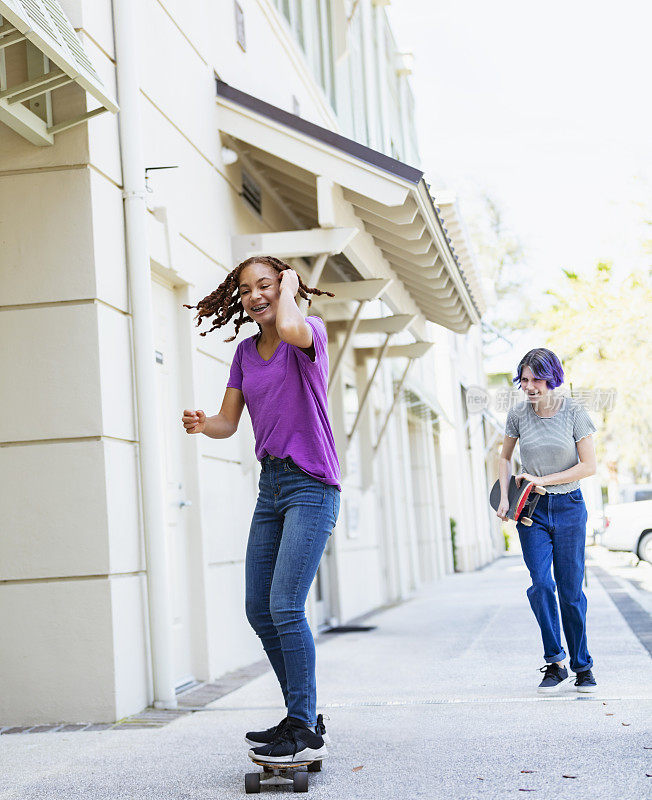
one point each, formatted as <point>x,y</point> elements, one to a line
<point>165,309</point>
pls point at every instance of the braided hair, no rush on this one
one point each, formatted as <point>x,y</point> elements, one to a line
<point>224,303</point>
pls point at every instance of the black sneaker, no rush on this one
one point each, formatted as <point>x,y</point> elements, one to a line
<point>320,728</point>
<point>295,743</point>
<point>553,679</point>
<point>585,681</point>
<point>258,738</point>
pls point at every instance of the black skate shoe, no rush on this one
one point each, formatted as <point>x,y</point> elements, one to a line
<point>585,682</point>
<point>295,743</point>
<point>555,676</point>
<point>259,738</point>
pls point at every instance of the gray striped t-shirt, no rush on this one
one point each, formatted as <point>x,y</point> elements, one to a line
<point>549,444</point>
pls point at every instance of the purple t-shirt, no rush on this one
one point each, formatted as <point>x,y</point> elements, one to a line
<point>287,402</point>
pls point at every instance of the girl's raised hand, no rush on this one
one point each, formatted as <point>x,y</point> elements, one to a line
<point>194,421</point>
<point>289,280</point>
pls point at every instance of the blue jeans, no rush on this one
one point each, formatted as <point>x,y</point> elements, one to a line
<point>294,516</point>
<point>557,538</point>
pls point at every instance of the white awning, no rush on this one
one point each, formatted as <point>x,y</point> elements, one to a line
<point>41,28</point>
<point>452,221</point>
<point>322,179</point>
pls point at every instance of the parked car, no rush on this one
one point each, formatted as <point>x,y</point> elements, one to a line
<point>594,526</point>
<point>628,526</point>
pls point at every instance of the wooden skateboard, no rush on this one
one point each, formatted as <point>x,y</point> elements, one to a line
<point>522,501</point>
<point>280,775</point>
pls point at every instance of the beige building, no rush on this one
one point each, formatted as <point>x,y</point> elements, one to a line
<point>253,127</point>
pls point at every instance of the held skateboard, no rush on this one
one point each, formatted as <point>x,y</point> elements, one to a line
<point>522,501</point>
<point>280,775</point>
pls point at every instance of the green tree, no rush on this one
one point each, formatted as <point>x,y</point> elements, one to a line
<point>600,326</point>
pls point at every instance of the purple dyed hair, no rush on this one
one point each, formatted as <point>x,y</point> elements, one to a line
<point>544,365</point>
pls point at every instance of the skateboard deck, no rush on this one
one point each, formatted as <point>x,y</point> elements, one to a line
<point>286,774</point>
<point>522,500</point>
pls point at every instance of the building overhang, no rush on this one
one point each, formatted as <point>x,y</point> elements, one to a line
<point>39,54</point>
<point>323,179</point>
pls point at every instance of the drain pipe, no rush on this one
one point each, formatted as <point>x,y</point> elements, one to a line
<point>140,292</point>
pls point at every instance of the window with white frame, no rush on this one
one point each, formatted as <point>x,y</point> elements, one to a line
<point>311,23</point>
<point>357,82</point>
<point>240,25</point>
<point>292,10</point>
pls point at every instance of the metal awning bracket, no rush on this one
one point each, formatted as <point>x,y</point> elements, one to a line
<point>41,80</point>
<point>367,391</point>
<point>39,88</point>
<point>353,326</point>
<point>492,442</point>
<point>70,123</point>
<point>397,394</point>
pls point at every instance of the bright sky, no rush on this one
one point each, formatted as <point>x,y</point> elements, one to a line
<point>548,107</point>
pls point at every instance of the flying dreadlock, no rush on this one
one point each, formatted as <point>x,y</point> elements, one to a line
<point>224,303</point>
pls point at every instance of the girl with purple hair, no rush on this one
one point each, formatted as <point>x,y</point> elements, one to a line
<point>556,451</point>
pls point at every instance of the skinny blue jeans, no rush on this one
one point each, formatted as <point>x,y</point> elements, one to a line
<point>294,516</point>
<point>557,538</point>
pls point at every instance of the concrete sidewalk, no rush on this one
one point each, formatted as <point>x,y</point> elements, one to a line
<point>438,702</point>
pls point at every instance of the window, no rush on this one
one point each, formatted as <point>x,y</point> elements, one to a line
<point>240,25</point>
<point>311,23</point>
<point>326,69</point>
<point>292,10</point>
<point>357,82</point>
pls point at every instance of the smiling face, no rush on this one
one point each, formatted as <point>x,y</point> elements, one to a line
<point>260,292</point>
<point>535,388</point>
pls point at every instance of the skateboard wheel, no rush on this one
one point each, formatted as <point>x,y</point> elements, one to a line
<point>252,783</point>
<point>526,521</point>
<point>300,781</point>
<point>315,766</point>
<point>539,490</point>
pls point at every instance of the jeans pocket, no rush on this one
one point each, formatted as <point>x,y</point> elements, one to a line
<point>576,496</point>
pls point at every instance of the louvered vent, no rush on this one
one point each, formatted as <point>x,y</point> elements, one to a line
<point>251,192</point>
<point>69,36</point>
<point>37,15</point>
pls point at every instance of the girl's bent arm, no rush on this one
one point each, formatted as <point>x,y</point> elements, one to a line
<point>290,323</point>
<point>225,424</point>
<point>505,464</point>
<point>586,466</point>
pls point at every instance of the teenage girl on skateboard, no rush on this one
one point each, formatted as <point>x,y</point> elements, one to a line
<point>556,452</point>
<point>281,375</point>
